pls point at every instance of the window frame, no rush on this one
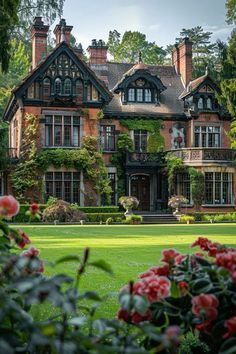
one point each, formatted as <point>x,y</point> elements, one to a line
<point>106,135</point>
<point>217,185</point>
<point>61,183</point>
<point>52,126</point>
<point>205,136</point>
<point>139,134</point>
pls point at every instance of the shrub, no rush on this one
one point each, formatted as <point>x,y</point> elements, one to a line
<point>134,219</point>
<point>97,217</point>
<point>187,218</point>
<point>109,221</point>
<point>63,212</point>
<point>186,293</point>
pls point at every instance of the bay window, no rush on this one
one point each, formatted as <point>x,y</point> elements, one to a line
<point>207,136</point>
<point>63,185</point>
<point>218,188</point>
<point>61,130</point>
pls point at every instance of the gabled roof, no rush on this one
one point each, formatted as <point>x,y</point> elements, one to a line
<point>196,84</point>
<point>136,71</point>
<point>42,67</point>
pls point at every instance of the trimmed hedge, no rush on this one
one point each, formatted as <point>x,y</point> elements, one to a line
<point>215,216</point>
<point>93,214</point>
<point>97,217</point>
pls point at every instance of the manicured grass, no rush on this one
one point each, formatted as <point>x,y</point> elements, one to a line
<point>129,249</point>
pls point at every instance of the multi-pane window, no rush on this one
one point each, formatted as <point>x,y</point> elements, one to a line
<point>218,188</point>
<point>184,187</point>
<point>63,185</point>
<point>67,87</point>
<point>112,178</point>
<point>140,95</point>
<point>140,140</point>
<point>108,137</point>
<point>58,86</point>
<point>62,130</point>
<point>207,136</point>
<point>46,88</point>
<point>79,91</point>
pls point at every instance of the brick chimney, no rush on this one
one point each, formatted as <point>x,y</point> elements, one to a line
<point>182,60</point>
<point>39,33</point>
<point>62,32</point>
<point>97,52</point>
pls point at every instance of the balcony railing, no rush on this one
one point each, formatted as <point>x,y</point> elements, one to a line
<point>144,159</point>
<point>206,155</point>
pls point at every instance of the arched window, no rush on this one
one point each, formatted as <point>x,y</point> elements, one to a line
<point>57,86</point>
<point>200,103</point>
<point>67,86</point>
<point>79,90</point>
<point>209,103</point>
<point>46,87</point>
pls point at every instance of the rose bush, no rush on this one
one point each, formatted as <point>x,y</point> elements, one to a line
<point>189,298</point>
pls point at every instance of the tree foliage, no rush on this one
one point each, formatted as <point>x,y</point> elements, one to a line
<point>8,19</point>
<point>18,68</point>
<point>127,48</point>
<point>231,11</point>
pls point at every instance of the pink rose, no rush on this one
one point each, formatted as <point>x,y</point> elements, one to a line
<point>9,206</point>
<point>205,304</point>
<point>24,239</point>
<point>230,324</point>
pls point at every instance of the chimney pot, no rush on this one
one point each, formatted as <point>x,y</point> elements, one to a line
<point>39,33</point>
<point>97,52</point>
<point>60,37</point>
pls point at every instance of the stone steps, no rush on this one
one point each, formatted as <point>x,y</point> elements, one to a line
<point>159,219</point>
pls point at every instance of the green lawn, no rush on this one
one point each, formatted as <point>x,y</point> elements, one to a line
<point>129,249</point>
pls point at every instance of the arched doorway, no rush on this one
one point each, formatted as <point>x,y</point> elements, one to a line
<point>140,188</point>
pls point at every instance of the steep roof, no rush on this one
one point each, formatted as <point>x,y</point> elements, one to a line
<point>169,102</point>
<point>194,85</point>
<point>63,47</point>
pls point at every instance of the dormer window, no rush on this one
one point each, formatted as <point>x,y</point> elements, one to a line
<point>131,95</point>
<point>140,95</point>
<point>200,103</point>
<point>209,103</point>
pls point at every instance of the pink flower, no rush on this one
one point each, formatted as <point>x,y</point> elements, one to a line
<point>172,257</point>
<point>163,270</point>
<point>137,317</point>
<point>24,239</point>
<point>230,324</point>
<point>155,288</point>
<point>228,261</point>
<point>31,252</point>
<point>205,304</point>
<point>34,208</point>
<point>9,206</point>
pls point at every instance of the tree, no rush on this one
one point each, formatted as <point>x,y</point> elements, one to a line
<point>231,11</point>
<point>205,53</point>
<point>18,68</point>
<point>8,19</point>
<point>127,48</point>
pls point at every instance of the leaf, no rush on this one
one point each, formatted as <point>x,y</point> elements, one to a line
<point>174,290</point>
<point>228,347</point>
<point>203,262</point>
<point>201,286</point>
<point>69,258</point>
<point>91,295</point>
<point>140,304</point>
<point>48,329</point>
<point>77,321</point>
<point>101,264</point>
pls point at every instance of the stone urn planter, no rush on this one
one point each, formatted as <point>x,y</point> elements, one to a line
<point>175,202</point>
<point>129,203</point>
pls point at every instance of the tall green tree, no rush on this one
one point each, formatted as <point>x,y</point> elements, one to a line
<point>231,11</point>
<point>8,20</point>
<point>127,48</point>
<point>18,68</point>
<point>205,53</point>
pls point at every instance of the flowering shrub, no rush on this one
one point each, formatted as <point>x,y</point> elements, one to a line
<point>188,298</point>
<point>176,201</point>
<point>62,211</point>
<point>129,202</point>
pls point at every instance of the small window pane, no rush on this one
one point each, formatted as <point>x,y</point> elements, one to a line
<point>67,87</point>
<point>148,95</point>
<point>131,95</point>
<point>58,86</point>
<point>139,95</point>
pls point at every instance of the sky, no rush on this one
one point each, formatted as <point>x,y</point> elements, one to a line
<point>160,20</point>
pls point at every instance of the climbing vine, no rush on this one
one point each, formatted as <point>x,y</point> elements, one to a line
<point>26,178</point>
<point>156,141</point>
<point>124,143</point>
<point>176,166</point>
<point>87,159</point>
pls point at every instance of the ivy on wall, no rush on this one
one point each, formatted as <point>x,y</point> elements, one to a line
<point>87,159</point>
<point>124,143</point>
<point>26,179</point>
<point>176,166</point>
<point>156,141</point>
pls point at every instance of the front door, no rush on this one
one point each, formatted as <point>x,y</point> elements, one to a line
<point>140,188</point>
